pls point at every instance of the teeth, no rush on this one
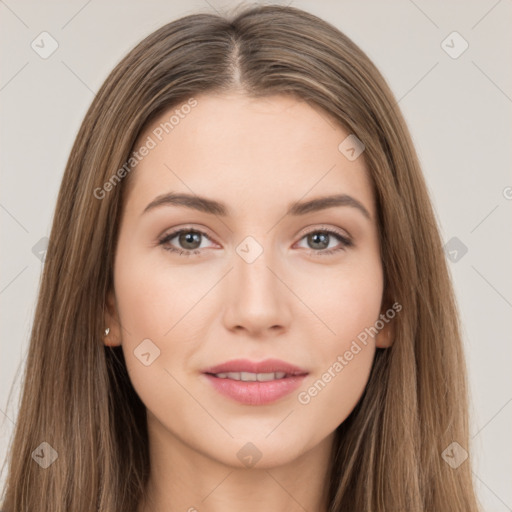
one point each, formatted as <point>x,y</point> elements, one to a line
<point>251,377</point>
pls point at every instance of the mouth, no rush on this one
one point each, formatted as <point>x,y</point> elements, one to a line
<point>255,383</point>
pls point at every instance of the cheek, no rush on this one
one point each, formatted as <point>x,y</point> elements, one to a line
<point>344,363</point>
<point>346,301</point>
<point>150,309</point>
<point>341,382</point>
<point>152,295</point>
<point>349,308</point>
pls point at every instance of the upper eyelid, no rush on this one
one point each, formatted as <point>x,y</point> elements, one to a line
<point>313,228</point>
<point>173,233</point>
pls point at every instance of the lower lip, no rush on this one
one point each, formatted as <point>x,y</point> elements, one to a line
<point>255,393</point>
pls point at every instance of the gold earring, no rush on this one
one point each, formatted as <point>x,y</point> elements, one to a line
<point>107,330</point>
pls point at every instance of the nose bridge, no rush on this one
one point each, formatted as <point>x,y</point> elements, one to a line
<point>254,257</point>
<point>257,297</point>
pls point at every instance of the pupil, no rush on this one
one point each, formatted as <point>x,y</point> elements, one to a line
<point>190,238</point>
<point>321,238</point>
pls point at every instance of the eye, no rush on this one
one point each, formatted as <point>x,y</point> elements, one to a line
<point>189,240</point>
<point>320,240</point>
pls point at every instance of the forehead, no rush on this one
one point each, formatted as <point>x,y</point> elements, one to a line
<point>247,150</point>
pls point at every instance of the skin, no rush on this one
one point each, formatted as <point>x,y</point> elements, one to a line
<point>292,303</point>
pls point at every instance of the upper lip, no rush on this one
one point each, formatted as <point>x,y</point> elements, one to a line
<point>266,366</point>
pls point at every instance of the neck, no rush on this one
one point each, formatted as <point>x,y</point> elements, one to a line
<point>184,479</point>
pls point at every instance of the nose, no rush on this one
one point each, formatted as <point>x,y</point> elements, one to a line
<point>258,300</point>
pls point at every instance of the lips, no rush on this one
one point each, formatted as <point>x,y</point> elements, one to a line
<point>255,383</point>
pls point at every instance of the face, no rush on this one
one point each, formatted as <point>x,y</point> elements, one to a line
<point>251,277</point>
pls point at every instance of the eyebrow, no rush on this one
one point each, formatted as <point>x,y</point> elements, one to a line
<point>213,207</point>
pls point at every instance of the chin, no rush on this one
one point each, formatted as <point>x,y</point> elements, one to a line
<point>258,452</point>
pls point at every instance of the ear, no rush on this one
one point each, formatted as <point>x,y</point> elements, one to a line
<point>111,319</point>
<point>386,335</point>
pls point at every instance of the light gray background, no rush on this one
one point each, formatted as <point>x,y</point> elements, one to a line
<point>458,111</point>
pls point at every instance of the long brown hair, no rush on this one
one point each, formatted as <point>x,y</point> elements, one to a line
<point>77,396</point>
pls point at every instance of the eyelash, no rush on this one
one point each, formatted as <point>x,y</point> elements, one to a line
<point>346,242</point>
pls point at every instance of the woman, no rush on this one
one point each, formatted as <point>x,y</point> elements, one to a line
<point>245,302</point>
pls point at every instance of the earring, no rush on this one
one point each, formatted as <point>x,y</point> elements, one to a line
<point>107,330</point>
